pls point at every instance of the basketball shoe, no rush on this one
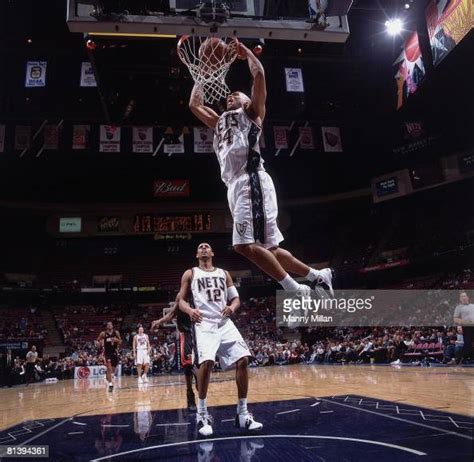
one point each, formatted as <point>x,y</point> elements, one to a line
<point>247,422</point>
<point>204,423</point>
<point>325,278</point>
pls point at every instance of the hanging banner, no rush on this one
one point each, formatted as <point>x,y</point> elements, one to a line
<point>80,136</point>
<point>87,75</point>
<point>174,145</point>
<point>2,138</point>
<point>51,137</point>
<point>22,137</point>
<point>203,139</point>
<point>306,138</point>
<point>332,139</point>
<point>410,69</point>
<point>35,74</point>
<point>294,80</point>
<point>109,138</point>
<point>142,139</point>
<point>448,23</point>
<point>281,137</point>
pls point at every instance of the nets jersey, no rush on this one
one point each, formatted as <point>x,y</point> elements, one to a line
<point>236,144</point>
<point>209,290</point>
<point>142,342</point>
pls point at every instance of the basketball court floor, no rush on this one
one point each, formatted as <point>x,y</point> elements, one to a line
<point>310,413</point>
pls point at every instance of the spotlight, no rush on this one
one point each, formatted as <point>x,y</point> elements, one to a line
<point>394,26</point>
<point>407,6</point>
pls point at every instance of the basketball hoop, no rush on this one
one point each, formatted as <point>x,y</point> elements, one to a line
<point>208,60</point>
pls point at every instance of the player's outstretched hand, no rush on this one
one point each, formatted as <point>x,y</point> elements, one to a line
<point>195,315</point>
<point>155,324</point>
<point>227,312</point>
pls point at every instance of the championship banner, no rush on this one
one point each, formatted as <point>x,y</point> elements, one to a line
<point>80,136</point>
<point>2,138</point>
<point>171,188</point>
<point>94,372</point>
<point>203,139</point>
<point>411,69</point>
<point>294,80</point>
<point>281,137</point>
<point>448,22</point>
<point>142,139</point>
<point>35,74</point>
<point>109,138</point>
<point>22,137</point>
<point>51,137</point>
<point>87,75</point>
<point>332,139</point>
<point>306,138</point>
<point>174,145</point>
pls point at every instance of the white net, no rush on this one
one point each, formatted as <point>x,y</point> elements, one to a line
<point>208,60</point>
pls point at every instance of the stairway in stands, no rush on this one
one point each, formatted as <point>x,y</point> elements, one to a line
<point>54,342</point>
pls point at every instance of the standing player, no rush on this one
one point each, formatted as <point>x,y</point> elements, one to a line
<point>110,340</point>
<point>251,193</point>
<point>141,352</point>
<point>215,298</point>
<point>185,347</point>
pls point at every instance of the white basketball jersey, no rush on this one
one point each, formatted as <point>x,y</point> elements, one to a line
<point>142,342</point>
<point>236,137</point>
<point>209,291</point>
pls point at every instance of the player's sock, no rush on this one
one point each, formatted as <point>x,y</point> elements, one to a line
<point>242,406</point>
<point>312,275</point>
<point>202,406</point>
<point>289,284</point>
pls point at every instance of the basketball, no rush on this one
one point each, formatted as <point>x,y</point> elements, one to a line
<point>212,51</point>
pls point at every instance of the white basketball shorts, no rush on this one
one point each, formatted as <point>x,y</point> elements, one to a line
<point>142,357</point>
<point>254,208</point>
<point>219,339</point>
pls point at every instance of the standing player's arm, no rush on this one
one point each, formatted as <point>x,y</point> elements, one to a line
<point>183,294</point>
<point>148,344</point>
<point>257,109</point>
<point>232,297</point>
<point>204,113</point>
<point>166,318</point>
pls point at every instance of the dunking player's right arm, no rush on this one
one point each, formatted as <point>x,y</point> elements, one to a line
<point>204,113</point>
<point>183,293</point>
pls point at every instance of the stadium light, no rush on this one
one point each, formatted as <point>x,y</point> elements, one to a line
<point>394,26</point>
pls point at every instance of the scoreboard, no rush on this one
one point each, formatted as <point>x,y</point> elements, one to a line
<point>192,223</point>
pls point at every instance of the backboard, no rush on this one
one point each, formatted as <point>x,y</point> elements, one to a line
<point>262,19</point>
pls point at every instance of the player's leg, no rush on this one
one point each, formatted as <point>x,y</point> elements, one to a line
<point>206,343</point>
<point>186,354</point>
<point>146,366</point>
<point>234,351</point>
<point>273,237</point>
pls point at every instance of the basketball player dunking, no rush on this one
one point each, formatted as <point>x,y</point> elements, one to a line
<point>251,193</point>
<point>141,352</point>
<point>185,347</point>
<point>110,340</point>
<point>215,298</point>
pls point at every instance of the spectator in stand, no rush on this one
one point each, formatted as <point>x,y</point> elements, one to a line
<point>464,317</point>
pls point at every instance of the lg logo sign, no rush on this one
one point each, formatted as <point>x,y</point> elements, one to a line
<point>84,372</point>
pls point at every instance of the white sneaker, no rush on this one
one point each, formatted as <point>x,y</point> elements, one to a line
<point>325,277</point>
<point>111,386</point>
<point>246,422</point>
<point>303,290</point>
<point>204,424</point>
<point>395,363</point>
<point>145,379</point>
<point>140,380</point>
